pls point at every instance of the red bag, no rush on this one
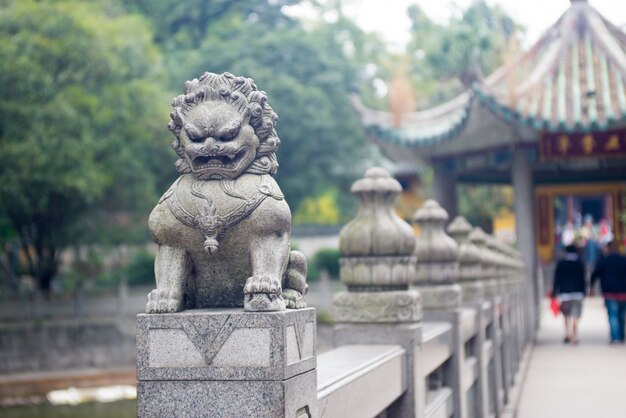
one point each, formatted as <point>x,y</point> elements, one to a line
<point>555,307</point>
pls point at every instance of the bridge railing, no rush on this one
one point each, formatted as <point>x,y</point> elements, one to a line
<point>428,326</point>
<point>450,343</point>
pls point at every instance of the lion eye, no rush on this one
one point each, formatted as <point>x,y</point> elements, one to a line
<point>193,133</point>
<point>229,135</point>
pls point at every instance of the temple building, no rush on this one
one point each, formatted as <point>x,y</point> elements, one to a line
<point>551,122</point>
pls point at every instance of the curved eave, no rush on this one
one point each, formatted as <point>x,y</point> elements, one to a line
<point>418,129</point>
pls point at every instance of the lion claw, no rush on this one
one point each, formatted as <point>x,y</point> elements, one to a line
<point>294,299</point>
<point>164,301</point>
<point>262,284</point>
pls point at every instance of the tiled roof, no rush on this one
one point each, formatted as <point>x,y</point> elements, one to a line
<point>572,79</point>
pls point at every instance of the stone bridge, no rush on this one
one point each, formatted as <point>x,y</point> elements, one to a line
<point>430,327</point>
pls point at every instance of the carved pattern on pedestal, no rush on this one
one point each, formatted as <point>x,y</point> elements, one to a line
<point>403,306</point>
<point>209,340</point>
<point>440,296</point>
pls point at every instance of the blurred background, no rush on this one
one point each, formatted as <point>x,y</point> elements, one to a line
<point>85,97</point>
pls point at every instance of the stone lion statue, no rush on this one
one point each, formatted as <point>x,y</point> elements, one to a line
<point>223,227</point>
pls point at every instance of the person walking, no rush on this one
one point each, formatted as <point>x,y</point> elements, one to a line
<point>611,270</point>
<point>569,289</point>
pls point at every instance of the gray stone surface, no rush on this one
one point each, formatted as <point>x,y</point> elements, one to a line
<point>407,335</point>
<point>347,373</point>
<point>225,344</point>
<point>293,397</point>
<point>222,228</point>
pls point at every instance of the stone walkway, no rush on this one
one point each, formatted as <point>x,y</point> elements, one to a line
<point>583,381</point>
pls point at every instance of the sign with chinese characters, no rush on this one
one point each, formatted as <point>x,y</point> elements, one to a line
<point>581,145</point>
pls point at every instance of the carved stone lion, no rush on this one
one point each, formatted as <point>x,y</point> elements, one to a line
<point>223,227</point>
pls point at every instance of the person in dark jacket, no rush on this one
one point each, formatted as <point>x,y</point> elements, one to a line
<point>611,270</point>
<point>569,288</point>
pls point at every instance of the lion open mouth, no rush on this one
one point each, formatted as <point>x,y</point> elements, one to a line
<point>218,161</point>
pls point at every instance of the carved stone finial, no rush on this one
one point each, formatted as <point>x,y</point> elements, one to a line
<point>469,254</point>
<point>436,252</point>
<point>222,228</point>
<point>377,263</point>
<point>377,245</point>
<point>437,268</point>
<point>376,230</point>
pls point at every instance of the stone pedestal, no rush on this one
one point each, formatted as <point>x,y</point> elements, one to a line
<point>227,362</point>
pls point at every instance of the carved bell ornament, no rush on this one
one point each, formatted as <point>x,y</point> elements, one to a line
<point>377,245</point>
<point>436,252</point>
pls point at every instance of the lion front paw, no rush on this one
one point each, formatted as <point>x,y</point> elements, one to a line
<point>294,299</point>
<point>262,294</point>
<point>164,301</point>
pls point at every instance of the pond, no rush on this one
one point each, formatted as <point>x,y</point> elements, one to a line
<point>117,409</point>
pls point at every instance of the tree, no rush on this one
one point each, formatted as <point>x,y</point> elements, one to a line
<point>81,121</point>
<point>472,205</point>
<point>185,25</point>
<point>449,58</point>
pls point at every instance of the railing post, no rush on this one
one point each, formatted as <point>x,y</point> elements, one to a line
<point>436,278</point>
<point>500,276</point>
<point>470,270</point>
<point>377,264</point>
<point>492,295</point>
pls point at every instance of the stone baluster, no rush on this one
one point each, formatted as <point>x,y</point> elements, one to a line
<point>470,268</point>
<point>520,281</point>
<point>492,296</point>
<point>505,313</point>
<point>437,270</point>
<point>470,273</point>
<point>437,275</point>
<point>478,238</point>
<point>497,261</point>
<point>377,265</point>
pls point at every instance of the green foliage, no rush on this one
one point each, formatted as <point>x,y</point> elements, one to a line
<point>449,58</point>
<point>325,317</point>
<point>312,272</point>
<point>140,269</point>
<point>327,259</point>
<point>320,210</point>
<point>80,121</point>
<point>472,203</point>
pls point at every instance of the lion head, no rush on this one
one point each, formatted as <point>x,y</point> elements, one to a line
<point>223,127</point>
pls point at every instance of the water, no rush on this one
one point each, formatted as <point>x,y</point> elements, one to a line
<point>118,409</point>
